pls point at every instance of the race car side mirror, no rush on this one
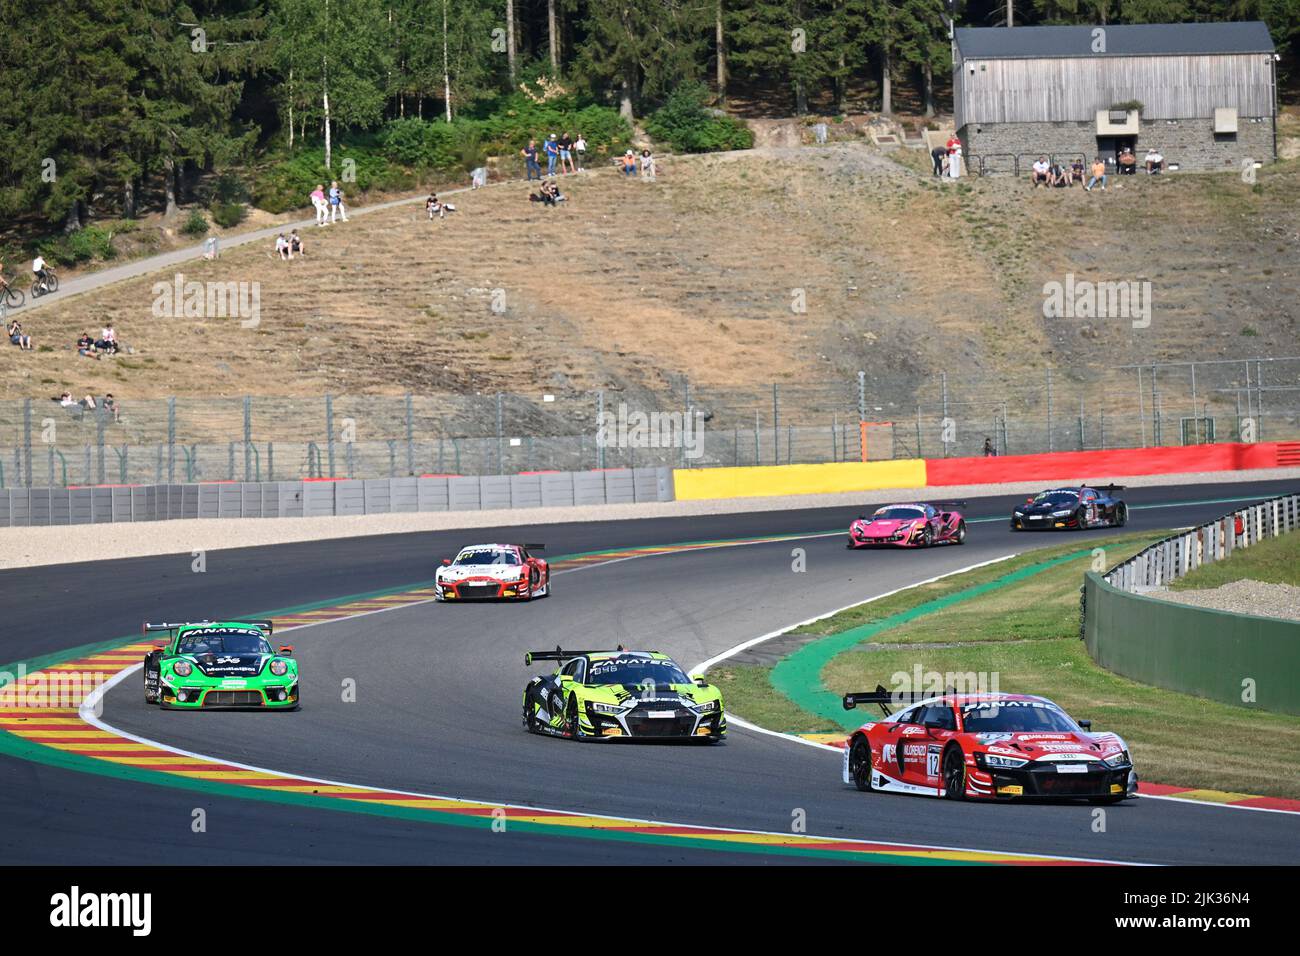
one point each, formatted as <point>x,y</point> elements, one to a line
<point>286,650</point>
<point>701,682</point>
<point>447,561</point>
<point>565,678</point>
<point>1086,724</point>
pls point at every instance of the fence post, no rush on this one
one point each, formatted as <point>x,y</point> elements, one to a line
<point>248,436</point>
<point>171,440</point>
<point>757,442</point>
<point>329,430</point>
<point>500,435</point>
<point>601,437</point>
<point>776,424</point>
<point>1049,409</point>
<point>410,434</point>
<point>1155,414</point>
<point>918,432</point>
<point>862,416</point>
<point>99,441</point>
<point>230,461</point>
<point>686,412</point>
<point>1081,432</point>
<point>943,381</point>
<point>27,442</point>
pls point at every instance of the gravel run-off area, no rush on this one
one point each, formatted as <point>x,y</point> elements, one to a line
<point>48,545</point>
<point>1241,597</point>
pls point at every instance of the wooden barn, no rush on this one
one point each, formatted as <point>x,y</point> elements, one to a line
<point>1202,94</point>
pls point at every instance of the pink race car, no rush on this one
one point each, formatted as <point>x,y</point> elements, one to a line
<point>909,526</point>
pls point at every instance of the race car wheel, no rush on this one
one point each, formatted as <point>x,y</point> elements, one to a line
<point>927,537</point>
<point>1121,515</point>
<point>530,717</point>
<point>571,722</point>
<point>961,532</point>
<point>1081,519</point>
<point>860,764</point>
<point>954,774</point>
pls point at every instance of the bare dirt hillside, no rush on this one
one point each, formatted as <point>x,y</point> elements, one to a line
<point>783,264</point>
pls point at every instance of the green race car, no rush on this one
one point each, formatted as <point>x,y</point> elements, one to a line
<point>220,665</point>
<point>607,695</point>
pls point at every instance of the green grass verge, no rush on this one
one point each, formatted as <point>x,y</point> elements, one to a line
<point>1027,634</point>
<point>1274,560</point>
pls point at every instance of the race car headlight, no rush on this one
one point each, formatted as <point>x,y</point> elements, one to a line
<point>612,710</point>
<point>1062,514</point>
<point>279,668</point>
<point>708,707</point>
<point>1018,513</point>
<point>182,669</point>
<point>999,762</point>
<point>1118,760</point>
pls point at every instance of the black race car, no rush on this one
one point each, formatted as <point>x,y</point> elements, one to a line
<point>1077,507</point>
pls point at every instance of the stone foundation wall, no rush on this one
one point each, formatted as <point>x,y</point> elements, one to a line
<point>1190,143</point>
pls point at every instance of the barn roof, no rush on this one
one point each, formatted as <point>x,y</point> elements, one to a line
<point>1138,39</point>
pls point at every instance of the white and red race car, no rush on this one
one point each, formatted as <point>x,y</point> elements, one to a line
<point>494,571</point>
<point>984,746</point>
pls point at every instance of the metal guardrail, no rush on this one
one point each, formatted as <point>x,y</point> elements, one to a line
<point>24,507</point>
<point>1175,556</point>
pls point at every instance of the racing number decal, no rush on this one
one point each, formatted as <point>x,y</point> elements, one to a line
<point>932,762</point>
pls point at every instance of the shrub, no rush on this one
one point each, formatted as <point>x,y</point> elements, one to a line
<point>85,245</point>
<point>687,124</point>
<point>227,215</point>
<point>196,224</point>
<point>287,183</point>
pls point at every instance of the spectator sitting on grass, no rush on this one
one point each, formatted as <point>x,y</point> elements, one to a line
<point>295,245</point>
<point>1076,172</point>
<point>647,164</point>
<point>1128,163</point>
<point>1098,175</point>
<point>110,406</point>
<point>282,247</point>
<point>17,337</point>
<point>86,346</point>
<point>1155,162</point>
<point>65,400</point>
<point>88,403</point>
<point>629,163</point>
<point>107,339</point>
<point>1041,170</point>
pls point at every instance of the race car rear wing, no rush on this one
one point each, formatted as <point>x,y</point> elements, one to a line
<point>886,699</point>
<point>535,547</point>
<point>559,654</point>
<point>266,625</point>
<point>1107,488</point>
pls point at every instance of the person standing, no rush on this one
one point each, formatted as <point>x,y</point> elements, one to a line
<point>337,208</point>
<point>937,156</point>
<point>954,157</point>
<point>580,151</point>
<point>318,200</point>
<point>552,151</point>
<point>566,154</point>
<point>529,153</point>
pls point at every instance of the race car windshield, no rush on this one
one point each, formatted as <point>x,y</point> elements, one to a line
<point>487,557</point>
<point>1015,717</point>
<point>897,514</point>
<point>223,642</point>
<point>631,671</point>
<point>1057,498</point>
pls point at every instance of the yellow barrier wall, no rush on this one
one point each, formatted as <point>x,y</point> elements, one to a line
<point>763,481</point>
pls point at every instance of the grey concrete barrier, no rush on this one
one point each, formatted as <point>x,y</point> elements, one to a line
<point>298,499</point>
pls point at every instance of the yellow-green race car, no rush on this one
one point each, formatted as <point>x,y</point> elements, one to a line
<point>226,665</point>
<point>619,694</point>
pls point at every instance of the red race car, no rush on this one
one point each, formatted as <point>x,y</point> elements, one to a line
<point>985,746</point>
<point>508,571</point>
<point>910,526</point>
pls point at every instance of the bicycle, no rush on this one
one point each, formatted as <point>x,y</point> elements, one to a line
<point>46,285</point>
<point>10,297</point>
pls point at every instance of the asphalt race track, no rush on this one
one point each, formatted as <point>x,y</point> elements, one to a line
<point>438,702</point>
